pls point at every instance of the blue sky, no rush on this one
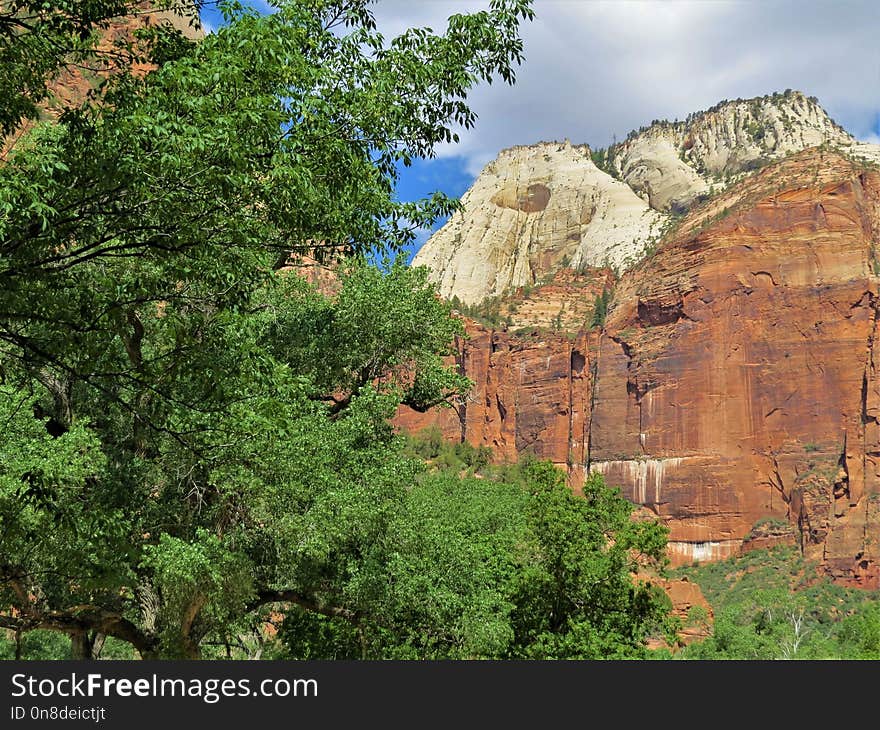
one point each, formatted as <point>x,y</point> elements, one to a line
<point>595,69</point>
<point>449,174</point>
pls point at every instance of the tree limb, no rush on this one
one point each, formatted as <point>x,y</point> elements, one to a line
<point>83,618</point>
<point>287,596</point>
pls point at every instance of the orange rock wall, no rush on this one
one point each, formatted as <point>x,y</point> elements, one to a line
<point>531,393</point>
<point>735,378</point>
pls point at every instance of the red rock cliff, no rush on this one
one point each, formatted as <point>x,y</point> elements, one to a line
<point>735,378</point>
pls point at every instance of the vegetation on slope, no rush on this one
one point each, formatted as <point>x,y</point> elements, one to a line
<point>773,604</point>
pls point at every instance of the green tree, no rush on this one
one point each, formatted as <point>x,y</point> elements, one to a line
<point>223,428</point>
<point>510,565</point>
<point>859,634</point>
<point>580,599</point>
<point>275,489</point>
<point>600,308</point>
<point>42,44</point>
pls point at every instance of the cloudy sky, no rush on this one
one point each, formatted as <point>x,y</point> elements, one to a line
<point>599,68</point>
<point>595,69</point>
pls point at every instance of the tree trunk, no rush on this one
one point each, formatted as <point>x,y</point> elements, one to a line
<point>81,645</point>
<point>191,648</point>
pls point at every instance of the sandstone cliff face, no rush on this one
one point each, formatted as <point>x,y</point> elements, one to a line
<point>685,598</point>
<point>739,361</point>
<point>530,212</point>
<point>672,164</point>
<point>537,210</point>
<point>530,393</point>
<point>735,379</point>
<point>564,301</point>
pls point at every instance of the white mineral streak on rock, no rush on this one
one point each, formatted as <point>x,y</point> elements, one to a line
<point>681,552</point>
<point>641,474</point>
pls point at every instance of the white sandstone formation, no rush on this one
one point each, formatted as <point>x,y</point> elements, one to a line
<point>531,211</point>
<point>671,164</point>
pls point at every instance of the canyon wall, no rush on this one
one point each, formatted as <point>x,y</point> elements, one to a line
<point>734,379</point>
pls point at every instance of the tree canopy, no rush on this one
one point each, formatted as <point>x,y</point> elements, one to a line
<point>193,433</point>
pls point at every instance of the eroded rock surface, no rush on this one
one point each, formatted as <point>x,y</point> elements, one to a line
<point>532,211</point>
<point>735,379</point>
<point>671,164</point>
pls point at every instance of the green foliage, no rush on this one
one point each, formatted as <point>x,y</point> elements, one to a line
<point>308,635</point>
<point>194,437</point>
<point>564,609</point>
<point>40,645</point>
<point>772,605</point>
<point>601,159</point>
<point>384,328</point>
<point>430,446</point>
<point>600,308</point>
<point>859,634</point>
<point>190,436</point>
<point>286,490</point>
<point>487,311</point>
<point>38,40</point>
<point>509,565</point>
<point>35,645</point>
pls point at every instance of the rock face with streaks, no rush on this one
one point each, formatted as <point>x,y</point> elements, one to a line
<point>735,378</point>
<point>531,393</point>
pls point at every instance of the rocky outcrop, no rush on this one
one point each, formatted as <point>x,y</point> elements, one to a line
<point>531,212</point>
<point>540,209</point>
<point>735,379</point>
<point>690,607</point>
<point>672,164</point>
<point>744,350</point>
<point>565,301</point>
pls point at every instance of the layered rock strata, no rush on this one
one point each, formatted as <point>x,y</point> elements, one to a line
<point>735,379</point>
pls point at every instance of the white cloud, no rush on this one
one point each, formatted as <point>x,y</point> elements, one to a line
<point>596,69</point>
